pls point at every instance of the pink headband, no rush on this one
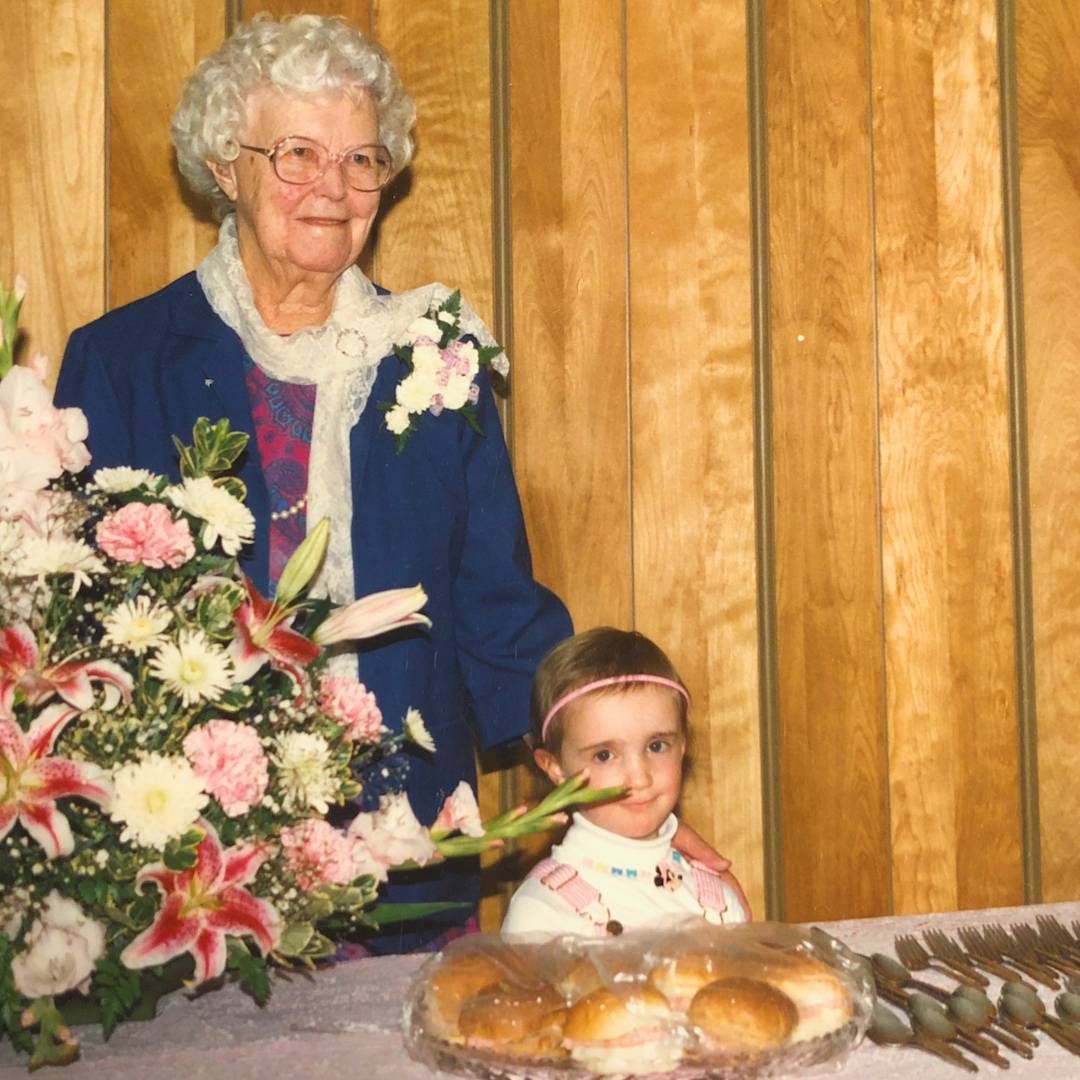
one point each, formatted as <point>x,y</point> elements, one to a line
<point>614,680</point>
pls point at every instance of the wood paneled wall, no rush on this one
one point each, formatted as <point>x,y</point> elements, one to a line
<point>772,408</point>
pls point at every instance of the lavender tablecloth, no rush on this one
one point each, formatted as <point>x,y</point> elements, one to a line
<point>345,1022</point>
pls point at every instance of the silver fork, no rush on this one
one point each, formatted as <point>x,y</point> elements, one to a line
<point>1029,939</point>
<point>914,956</point>
<point>1056,936</point>
<point>1006,945</point>
<point>983,953</point>
<point>948,952</point>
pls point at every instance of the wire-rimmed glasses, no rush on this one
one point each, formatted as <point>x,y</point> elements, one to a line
<point>299,160</point>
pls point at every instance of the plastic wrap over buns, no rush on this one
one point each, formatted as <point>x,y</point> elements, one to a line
<point>694,1002</point>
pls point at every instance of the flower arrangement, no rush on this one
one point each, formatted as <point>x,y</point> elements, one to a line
<point>443,363</point>
<point>171,741</point>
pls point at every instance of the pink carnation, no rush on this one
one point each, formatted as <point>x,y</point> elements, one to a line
<point>351,704</point>
<point>138,533</point>
<point>317,854</point>
<point>459,813</point>
<point>229,760</point>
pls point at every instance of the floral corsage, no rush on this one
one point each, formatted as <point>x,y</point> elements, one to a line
<point>443,362</point>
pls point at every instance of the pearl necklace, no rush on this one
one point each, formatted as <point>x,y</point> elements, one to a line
<point>289,511</point>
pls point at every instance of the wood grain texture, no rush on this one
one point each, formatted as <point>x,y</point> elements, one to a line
<point>52,114</point>
<point>569,394</point>
<point>1048,101</point>
<point>436,218</point>
<point>358,12</point>
<point>692,397</point>
<point>157,230</point>
<point>944,457</point>
<point>828,592</point>
<point>569,376</point>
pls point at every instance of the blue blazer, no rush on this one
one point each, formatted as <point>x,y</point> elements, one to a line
<point>444,513</point>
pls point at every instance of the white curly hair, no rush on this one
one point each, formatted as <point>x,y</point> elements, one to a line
<point>301,54</point>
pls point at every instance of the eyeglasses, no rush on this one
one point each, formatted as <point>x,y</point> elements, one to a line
<point>297,160</point>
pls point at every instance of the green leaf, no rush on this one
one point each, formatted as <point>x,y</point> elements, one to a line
<point>117,988</point>
<point>383,914</point>
<point>252,970</point>
<point>180,853</point>
<point>295,939</point>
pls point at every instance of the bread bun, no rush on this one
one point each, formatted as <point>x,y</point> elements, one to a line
<point>623,1029</point>
<point>578,979</point>
<point>740,1015</point>
<point>681,976</point>
<point>515,1021</point>
<point>462,975</point>
<point>820,993</point>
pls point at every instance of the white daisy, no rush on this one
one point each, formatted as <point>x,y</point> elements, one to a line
<point>225,516</point>
<point>304,769</point>
<point>156,799</point>
<point>137,625</point>
<point>117,481</point>
<point>417,732</point>
<point>193,667</point>
<point>60,555</point>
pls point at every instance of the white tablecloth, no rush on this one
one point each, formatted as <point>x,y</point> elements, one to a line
<point>345,1023</point>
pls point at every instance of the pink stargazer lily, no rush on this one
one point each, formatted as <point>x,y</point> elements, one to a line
<point>71,679</point>
<point>378,613</point>
<point>31,781</point>
<point>264,633</point>
<point>202,905</point>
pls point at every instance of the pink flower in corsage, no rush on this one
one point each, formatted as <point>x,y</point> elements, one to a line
<point>443,361</point>
<point>147,534</point>
<point>264,633</point>
<point>31,781</point>
<point>390,836</point>
<point>459,813</point>
<point>353,705</point>
<point>203,904</point>
<point>376,614</point>
<point>318,854</point>
<point>70,679</point>
<point>229,760</point>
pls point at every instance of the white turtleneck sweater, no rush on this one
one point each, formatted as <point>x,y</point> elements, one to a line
<point>625,873</point>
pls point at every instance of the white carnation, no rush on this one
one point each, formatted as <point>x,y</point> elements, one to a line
<point>63,945</point>
<point>456,391</point>
<point>415,391</point>
<point>423,327</point>
<point>427,360</point>
<point>397,419</point>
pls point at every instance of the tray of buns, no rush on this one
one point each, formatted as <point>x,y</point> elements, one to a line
<point>693,1002</point>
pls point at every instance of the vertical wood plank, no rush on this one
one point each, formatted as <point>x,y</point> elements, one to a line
<point>357,12</point>
<point>1048,93</point>
<point>569,375</point>
<point>442,230</point>
<point>157,229</point>
<point>52,114</point>
<point>828,592</point>
<point>693,396</point>
<point>569,394</point>
<point>944,457</point>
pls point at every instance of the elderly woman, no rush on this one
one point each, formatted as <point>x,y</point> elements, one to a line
<point>292,129</point>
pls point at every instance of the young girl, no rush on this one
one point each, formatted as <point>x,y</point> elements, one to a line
<point>611,702</point>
